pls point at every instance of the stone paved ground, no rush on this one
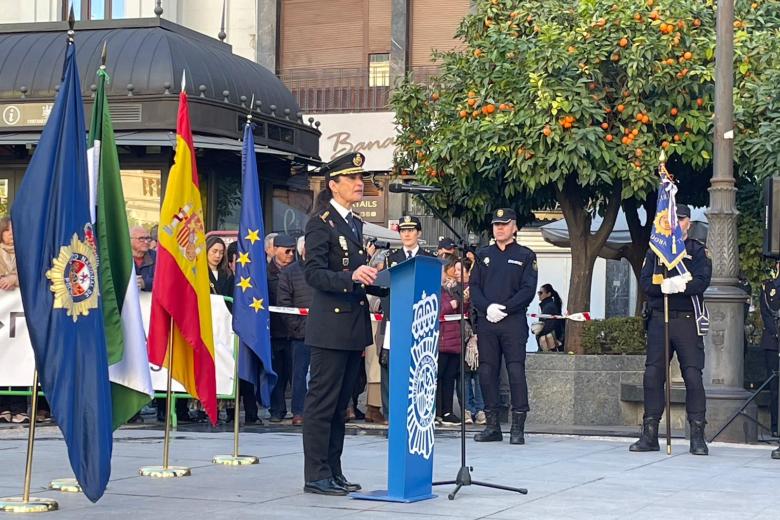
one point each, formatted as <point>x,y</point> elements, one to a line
<point>568,477</point>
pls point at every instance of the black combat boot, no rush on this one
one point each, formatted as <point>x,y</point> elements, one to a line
<point>698,446</point>
<point>776,453</point>
<point>518,427</point>
<point>492,431</point>
<point>648,441</point>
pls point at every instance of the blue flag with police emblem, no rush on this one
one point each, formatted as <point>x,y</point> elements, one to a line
<point>251,317</point>
<point>57,263</point>
<point>666,237</point>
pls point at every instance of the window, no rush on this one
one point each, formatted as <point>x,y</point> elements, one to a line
<point>142,190</point>
<point>95,9</point>
<point>379,70</point>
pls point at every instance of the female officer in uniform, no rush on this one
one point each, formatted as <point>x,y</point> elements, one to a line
<point>338,328</point>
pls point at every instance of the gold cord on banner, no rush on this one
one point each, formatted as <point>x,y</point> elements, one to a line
<point>166,471</point>
<point>235,459</point>
<point>25,504</point>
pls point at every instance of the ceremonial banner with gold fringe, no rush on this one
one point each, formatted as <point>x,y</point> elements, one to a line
<point>180,296</point>
<point>666,237</point>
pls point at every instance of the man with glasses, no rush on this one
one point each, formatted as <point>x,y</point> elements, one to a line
<point>281,351</point>
<point>144,258</point>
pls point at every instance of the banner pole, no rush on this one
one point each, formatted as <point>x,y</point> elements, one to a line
<point>25,504</point>
<point>235,459</point>
<point>668,377</point>
<point>166,471</point>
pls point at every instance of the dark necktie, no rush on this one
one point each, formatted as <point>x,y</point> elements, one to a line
<point>408,254</point>
<point>351,221</point>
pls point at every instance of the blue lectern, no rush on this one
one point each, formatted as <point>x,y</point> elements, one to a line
<point>414,341</point>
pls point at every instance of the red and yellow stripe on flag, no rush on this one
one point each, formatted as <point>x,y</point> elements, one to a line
<point>180,296</point>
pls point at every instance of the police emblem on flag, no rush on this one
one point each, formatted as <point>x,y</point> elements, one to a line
<point>73,276</point>
<point>422,376</point>
<point>662,223</point>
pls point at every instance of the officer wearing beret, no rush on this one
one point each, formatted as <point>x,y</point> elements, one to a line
<point>338,327</point>
<point>410,230</point>
<point>688,323</point>
<point>769,303</point>
<point>503,283</point>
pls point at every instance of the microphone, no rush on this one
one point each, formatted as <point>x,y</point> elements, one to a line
<point>398,187</point>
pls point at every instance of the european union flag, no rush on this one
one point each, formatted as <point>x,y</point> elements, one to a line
<point>666,237</point>
<point>251,317</point>
<point>57,264</point>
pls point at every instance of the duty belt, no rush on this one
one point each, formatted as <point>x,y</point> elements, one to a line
<point>675,315</point>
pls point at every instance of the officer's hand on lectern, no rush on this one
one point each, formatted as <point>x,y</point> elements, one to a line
<point>364,274</point>
<point>495,312</point>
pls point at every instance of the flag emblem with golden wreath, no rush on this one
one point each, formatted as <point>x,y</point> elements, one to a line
<point>73,276</point>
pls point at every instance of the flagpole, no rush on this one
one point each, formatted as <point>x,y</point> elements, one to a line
<point>668,377</point>
<point>25,504</point>
<point>235,459</point>
<point>166,471</point>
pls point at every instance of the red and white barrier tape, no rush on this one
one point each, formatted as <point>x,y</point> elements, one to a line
<point>377,316</point>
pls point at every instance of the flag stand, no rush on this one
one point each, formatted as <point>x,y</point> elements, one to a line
<point>65,485</point>
<point>235,459</point>
<point>26,504</point>
<point>668,377</point>
<point>166,471</point>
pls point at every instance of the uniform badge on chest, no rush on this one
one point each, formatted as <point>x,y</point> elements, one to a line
<point>343,242</point>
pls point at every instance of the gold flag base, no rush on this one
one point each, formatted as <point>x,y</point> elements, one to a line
<point>32,505</point>
<point>163,472</point>
<point>66,485</point>
<point>235,460</point>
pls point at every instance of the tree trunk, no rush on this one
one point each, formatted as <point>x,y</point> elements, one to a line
<point>640,237</point>
<point>585,247</point>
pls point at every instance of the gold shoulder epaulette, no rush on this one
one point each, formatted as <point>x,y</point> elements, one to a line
<point>324,216</point>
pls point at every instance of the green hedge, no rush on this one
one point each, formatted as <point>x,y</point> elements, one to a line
<point>614,336</point>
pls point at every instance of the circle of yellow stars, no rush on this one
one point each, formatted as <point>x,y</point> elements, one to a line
<point>246,282</point>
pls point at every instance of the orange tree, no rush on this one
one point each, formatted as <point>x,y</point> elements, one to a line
<point>559,102</point>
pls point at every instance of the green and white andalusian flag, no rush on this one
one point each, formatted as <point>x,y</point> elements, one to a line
<point>128,361</point>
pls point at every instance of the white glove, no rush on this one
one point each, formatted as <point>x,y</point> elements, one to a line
<point>537,327</point>
<point>673,285</point>
<point>495,312</point>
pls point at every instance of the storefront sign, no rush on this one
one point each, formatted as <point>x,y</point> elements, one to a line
<point>24,114</point>
<point>371,209</point>
<point>372,133</point>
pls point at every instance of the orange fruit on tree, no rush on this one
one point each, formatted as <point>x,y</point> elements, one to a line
<point>607,110</point>
<point>418,142</point>
<point>477,53</point>
<point>674,111</point>
<point>677,138</point>
<point>699,102</point>
<point>604,125</point>
<point>615,57</point>
<point>624,140</point>
<point>635,132</point>
<point>475,114</point>
<point>688,55</point>
<point>670,61</point>
<point>472,94</point>
<point>567,125</point>
<point>609,138</point>
<point>490,108</point>
<point>620,108</point>
<point>435,96</point>
<point>650,3</point>
<point>665,145</point>
<point>623,42</point>
<point>662,28</point>
<point>645,119</point>
<point>639,116</point>
<point>485,110</point>
<point>696,22</point>
<point>681,25</point>
<point>601,22</point>
<point>572,49</point>
<point>654,15</point>
<point>638,152</point>
<point>503,106</point>
<point>463,114</point>
<point>638,17</point>
<point>471,102</point>
<point>547,131</point>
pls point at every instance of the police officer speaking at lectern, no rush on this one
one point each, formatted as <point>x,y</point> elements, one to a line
<point>338,327</point>
<point>503,283</point>
<point>688,323</point>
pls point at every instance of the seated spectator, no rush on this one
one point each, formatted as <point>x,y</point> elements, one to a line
<point>143,257</point>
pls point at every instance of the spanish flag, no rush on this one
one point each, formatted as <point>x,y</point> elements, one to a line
<point>181,307</point>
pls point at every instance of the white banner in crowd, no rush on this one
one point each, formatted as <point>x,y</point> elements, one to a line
<point>17,362</point>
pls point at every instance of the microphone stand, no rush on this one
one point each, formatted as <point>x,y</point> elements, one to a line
<point>464,473</point>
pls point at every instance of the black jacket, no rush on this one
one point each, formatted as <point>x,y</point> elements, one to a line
<point>278,324</point>
<point>769,300</point>
<point>146,270</point>
<point>548,306</point>
<point>505,277</point>
<point>396,257</point>
<point>338,317</point>
<point>294,292</point>
<point>698,263</point>
<point>222,284</point>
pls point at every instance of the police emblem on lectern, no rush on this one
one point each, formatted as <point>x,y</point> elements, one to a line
<point>422,376</point>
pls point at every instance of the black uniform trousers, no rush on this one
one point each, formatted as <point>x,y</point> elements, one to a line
<point>689,346</point>
<point>506,339</point>
<point>770,360</point>
<point>333,374</point>
<point>281,361</point>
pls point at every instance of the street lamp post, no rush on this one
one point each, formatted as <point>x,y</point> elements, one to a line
<point>724,367</point>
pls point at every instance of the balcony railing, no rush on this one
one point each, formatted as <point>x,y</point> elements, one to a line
<point>340,90</point>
